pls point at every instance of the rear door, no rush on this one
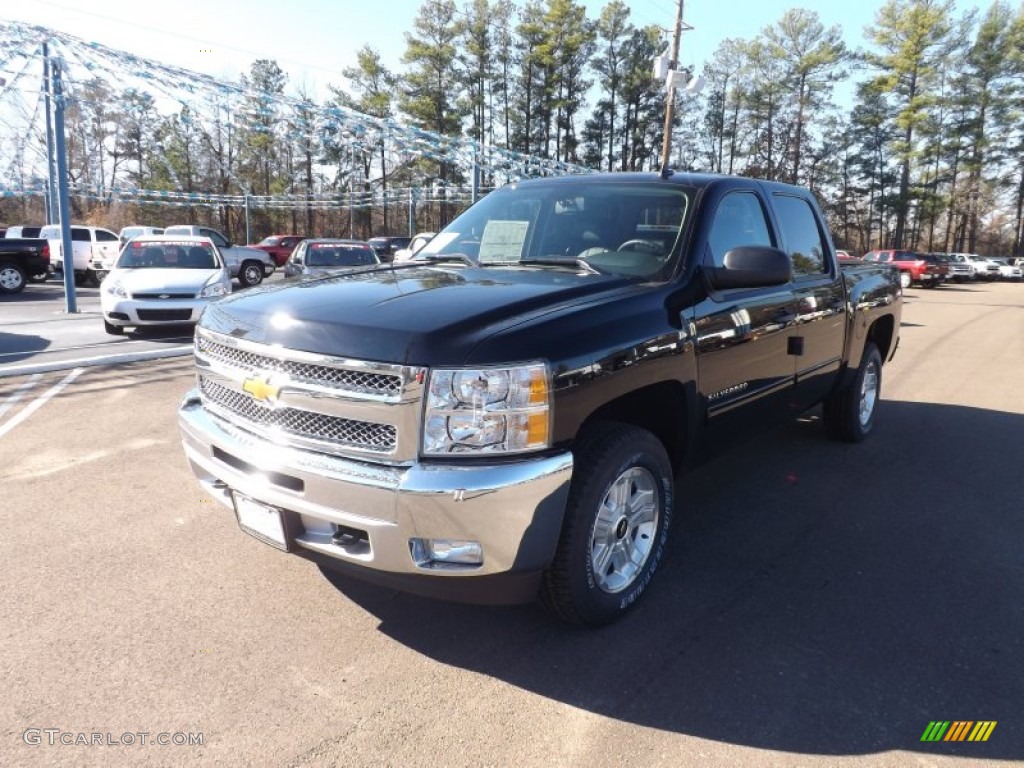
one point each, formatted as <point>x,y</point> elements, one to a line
<point>81,244</point>
<point>818,335</point>
<point>104,249</point>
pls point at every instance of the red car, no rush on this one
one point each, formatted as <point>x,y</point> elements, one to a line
<point>924,268</point>
<point>279,247</point>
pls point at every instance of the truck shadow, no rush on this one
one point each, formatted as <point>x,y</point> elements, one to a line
<point>817,598</point>
<point>15,347</point>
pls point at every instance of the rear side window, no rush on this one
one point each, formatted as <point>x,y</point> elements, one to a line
<point>801,234</point>
<point>739,221</point>
<point>103,236</point>
<point>78,234</point>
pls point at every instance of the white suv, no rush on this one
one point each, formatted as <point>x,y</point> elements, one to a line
<point>88,244</point>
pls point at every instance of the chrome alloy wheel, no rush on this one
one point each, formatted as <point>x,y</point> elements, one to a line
<point>624,531</point>
<point>868,394</point>
<point>11,279</point>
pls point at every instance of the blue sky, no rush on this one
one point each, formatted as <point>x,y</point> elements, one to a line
<point>312,40</point>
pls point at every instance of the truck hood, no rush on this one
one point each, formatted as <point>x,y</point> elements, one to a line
<point>411,315</point>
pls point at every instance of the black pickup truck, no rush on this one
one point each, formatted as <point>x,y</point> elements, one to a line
<point>20,260</point>
<point>503,417</point>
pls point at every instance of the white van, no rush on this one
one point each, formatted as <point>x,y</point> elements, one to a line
<point>88,244</point>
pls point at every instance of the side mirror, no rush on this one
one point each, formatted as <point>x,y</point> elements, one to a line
<point>751,266</point>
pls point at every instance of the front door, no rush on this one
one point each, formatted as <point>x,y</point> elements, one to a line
<point>745,373</point>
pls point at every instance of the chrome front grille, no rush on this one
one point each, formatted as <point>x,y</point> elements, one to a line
<point>334,405</point>
<point>307,424</point>
<point>349,380</point>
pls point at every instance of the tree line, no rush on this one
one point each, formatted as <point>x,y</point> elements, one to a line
<point>926,152</point>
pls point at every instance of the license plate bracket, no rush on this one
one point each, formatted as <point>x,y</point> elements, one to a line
<point>262,521</point>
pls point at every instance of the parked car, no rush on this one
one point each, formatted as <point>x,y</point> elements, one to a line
<point>325,255</point>
<point>984,267</point>
<point>417,242</point>
<point>19,259</point>
<point>923,268</point>
<point>1008,271</point>
<point>137,230</point>
<point>386,246</point>
<point>503,420</point>
<point>89,245</point>
<point>960,267</point>
<point>279,247</point>
<point>18,231</point>
<point>162,280</point>
<point>248,265</point>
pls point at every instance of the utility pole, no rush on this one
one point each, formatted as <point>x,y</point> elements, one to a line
<point>670,96</point>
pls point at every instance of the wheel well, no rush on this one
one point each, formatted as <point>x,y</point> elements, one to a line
<point>659,408</point>
<point>881,333</point>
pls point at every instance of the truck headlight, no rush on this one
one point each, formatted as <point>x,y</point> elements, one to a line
<point>487,410</point>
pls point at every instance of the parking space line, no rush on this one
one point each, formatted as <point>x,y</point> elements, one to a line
<point>15,396</point>
<point>40,401</point>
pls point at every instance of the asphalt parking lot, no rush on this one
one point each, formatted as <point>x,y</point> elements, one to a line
<point>820,603</point>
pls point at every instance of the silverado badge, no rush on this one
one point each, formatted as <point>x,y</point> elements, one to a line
<point>261,389</point>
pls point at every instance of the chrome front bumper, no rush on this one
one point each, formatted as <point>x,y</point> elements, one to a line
<point>514,510</point>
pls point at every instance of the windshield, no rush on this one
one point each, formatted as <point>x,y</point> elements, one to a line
<point>340,255</point>
<point>617,227</point>
<point>169,255</point>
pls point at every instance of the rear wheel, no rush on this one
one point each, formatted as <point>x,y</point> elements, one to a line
<point>12,277</point>
<point>250,273</point>
<point>616,525</point>
<point>849,413</point>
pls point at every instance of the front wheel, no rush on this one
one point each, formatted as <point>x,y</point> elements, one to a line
<point>849,413</point>
<point>616,525</point>
<point>250,273</point>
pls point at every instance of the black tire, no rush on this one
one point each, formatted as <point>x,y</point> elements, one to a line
<point>610,456</point>
<point>849,413</point>
<point>80,279</point>
<point>12,277</point>
<point>250,273</point>
<point>94,278</point>
<point>113,330</point>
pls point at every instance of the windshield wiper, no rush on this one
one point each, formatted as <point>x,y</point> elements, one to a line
<point>435,257</point>
<point>557,262</point>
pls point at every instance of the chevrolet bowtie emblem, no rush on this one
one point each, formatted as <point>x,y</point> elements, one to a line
<point>261,389</point>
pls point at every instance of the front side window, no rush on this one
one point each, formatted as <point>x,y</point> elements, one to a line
<point>80,235</point>
<point>102,236</point>
<point>801,234</point>
<point>739,221</point>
